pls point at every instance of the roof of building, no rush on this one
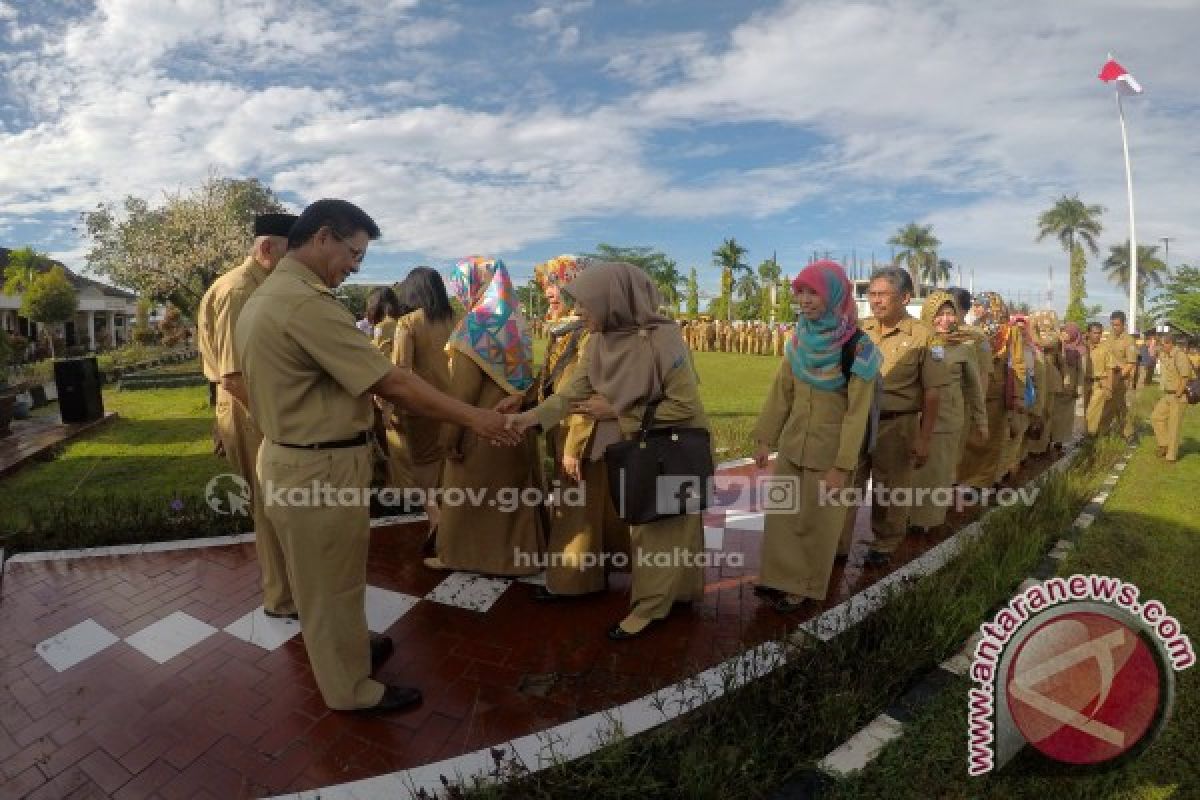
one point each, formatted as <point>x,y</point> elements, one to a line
<point>77,280</point>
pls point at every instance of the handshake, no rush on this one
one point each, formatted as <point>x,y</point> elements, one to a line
<point>506,424</point>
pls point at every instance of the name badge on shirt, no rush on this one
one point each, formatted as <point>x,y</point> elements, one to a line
<point>937,352</point>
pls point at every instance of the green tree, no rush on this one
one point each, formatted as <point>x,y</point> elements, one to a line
<point>1077,311</point>
<point>354,297</point>
<point>1152,271</point>
<point>142,333</point>
<point>50,300</point>
<point>768,274</point>
<point>1179,300</point>
<point>937,272</point>
<point>1073,222</point>
<point>174,251</point>
<point>919,250</point>
<point>693,294</point>
<point>729,258</point>
<point>784,313</point>
<point>23,264</point>
<point>661,268</point>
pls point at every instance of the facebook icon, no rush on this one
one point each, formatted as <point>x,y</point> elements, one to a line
<point>679,494</point>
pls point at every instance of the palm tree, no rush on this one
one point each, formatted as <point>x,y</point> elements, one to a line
<point>919,250</point>
<point>768,272</point>
<point>1152,271</point>
<point>729,257</point>
<point>668,279</point>
<point>1071,219</point>
<point>937,272</point>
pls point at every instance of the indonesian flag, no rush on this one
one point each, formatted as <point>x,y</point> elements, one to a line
<point>1112,71</point>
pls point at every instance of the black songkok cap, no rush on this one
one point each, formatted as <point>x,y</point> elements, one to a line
<point>274,224</point>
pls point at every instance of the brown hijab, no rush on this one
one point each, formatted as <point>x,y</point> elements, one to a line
<point>636,345</point>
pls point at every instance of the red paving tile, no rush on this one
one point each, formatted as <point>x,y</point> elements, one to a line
<point>229,719</point>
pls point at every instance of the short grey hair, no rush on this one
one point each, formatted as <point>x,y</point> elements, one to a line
<point>898,277</point>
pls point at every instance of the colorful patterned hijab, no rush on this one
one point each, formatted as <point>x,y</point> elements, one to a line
<point>929,310</point>
<point>493,333</point>
<point>995,323</point>
<point>559,272</point>
<point>815,347</point>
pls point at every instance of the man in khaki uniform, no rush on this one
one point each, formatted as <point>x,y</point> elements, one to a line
<point>912,375</point>
<point>240,438</point>
<point>1168,413</point>
<point>310,375</point>
<point>1125,351</point>
<point>1099,397</point>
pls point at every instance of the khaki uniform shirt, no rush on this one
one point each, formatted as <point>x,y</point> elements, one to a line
<point>218,315</point>
<point>1124,349</point>
<point>815,428</point>
<point>1103,363</point>
<point>307,366</point>
<point>909,365</point>
<point>385,335</point>
<point>1176,371</point>
<point>964,393</point>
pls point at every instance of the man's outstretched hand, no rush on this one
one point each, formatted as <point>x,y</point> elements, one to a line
<point>494,427</point>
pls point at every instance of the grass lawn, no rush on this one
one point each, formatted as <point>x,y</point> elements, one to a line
<point>1149,535</point>
<point>160,447</point>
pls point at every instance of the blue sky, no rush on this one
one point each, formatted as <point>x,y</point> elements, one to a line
<point>524,129</point>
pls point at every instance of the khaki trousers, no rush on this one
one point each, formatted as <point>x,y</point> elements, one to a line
<point>890,466</point>
<point>1014,429</point>
<point>978,466</point>
<point>661,576</point>
<point>798,548</point>
<point>1122,408</point>
<point>326,551</point>
<point>1099,411</point>
<point>1167,420</point>
<point>241,439</point>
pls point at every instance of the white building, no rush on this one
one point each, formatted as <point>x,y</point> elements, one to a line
<point>104,318</point>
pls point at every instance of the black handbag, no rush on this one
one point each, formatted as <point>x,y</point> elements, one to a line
<point>660,473</point>
<point>1191,391</point>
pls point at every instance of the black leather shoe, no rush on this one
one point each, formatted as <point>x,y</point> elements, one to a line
<point>381,650</point>
<point>619,634</point>
<point>396,698</point>
<point>544,595</point>
<point>875,558</point>
<point>294,616</point>
<point>768,592</point>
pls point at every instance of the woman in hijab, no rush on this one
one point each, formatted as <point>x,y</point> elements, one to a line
<point>491,358</point>
<point>1076,374</point>
<point>980,464</point>
<point>961,410</point>
<point>817,417</point>
<point>1021,393</point>
<point>636,356</point>
<point>1043,328</point>
<point>583,538</point>
<point>420,346</point>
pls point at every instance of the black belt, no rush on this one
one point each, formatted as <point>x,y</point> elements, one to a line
<point>894,414</point>
<point>355,441</point>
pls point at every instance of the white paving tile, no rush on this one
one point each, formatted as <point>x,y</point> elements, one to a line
<point>384,607</point>
<point>268,633</point>
<point>472,592</point>
<point>746,521</point>
<point>714,538</point>
<point>861,748</point>
<point>75,644</point>
<point>170,636</point>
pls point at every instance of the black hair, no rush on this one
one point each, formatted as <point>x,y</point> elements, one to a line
<point>1095,326</point>
<point>1117,315</point>
<point>423,288</point>
<point>343,218</point>
<point>382,302</point>
<point>962,298</point>
<point>898,277</point>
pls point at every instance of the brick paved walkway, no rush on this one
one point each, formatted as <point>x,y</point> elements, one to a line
<point>153,676</point>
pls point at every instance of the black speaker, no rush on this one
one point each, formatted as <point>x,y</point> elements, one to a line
<point>79,397</point>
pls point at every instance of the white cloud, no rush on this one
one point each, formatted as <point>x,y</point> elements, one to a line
<point>550,21</point>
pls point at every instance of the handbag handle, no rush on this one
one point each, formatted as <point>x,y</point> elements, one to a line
<point>652,406</point>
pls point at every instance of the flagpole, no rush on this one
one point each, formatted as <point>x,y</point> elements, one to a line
<point>1133,263</point>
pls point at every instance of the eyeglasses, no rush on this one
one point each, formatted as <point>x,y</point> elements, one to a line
<point>354,251</point>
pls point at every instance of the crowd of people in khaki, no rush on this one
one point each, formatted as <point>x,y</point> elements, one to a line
<point>959,397</point>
